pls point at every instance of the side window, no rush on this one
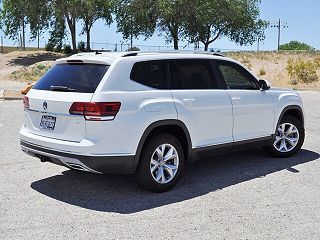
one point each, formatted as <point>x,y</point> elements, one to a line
<point>192,74</point>
<point>152,74</point>
<point>236,77</point>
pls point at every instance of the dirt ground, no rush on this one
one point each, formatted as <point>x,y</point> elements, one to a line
<point>17,60</point>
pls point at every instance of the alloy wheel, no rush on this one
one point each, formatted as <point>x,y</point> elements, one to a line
<point>164,163</point>
<point>287,137</point>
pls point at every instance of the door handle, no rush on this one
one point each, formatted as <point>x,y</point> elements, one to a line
<point>188,100</point>
<point>236,99</point>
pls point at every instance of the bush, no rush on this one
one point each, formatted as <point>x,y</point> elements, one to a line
<point>40,67</point>
<point>133,49</point>
<point>82,46</point>
<point>247,63</point>
<point>262,72</point>
<point>295,45</point>
<point>317,60</point>
<point>58,47</point>
<point>49,47</point>
<point>304,71</point>
<point>293,81</point>
<point>30,74</point>
<point>67,49</point>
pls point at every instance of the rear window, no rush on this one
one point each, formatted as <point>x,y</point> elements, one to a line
<point>83,78</point>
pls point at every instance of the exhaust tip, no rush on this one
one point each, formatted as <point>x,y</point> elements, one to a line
<point>44,159</point>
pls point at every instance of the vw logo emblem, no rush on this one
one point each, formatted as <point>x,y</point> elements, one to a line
<point>45,105</point>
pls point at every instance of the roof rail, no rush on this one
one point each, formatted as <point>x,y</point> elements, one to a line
<point>130,54</point>
<point>136,53</point>
<point>218,54</point>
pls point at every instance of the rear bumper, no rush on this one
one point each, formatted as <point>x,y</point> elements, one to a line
<point>117,164</point>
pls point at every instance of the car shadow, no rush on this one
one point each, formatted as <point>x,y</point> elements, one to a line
<point>121,194</point>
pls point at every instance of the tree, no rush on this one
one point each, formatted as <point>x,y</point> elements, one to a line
<point>91,11</point>
<point>70,11</point>
<point>39,14</point>
<point>14,19</point>
<point>135,18</point>
<point>57,29</point>
<point>296,45</point>
<point>238,20</point>
<point>143,17</point>
<point>171,19</point>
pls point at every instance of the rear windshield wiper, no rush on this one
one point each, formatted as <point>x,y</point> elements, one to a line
<point>62,89</point>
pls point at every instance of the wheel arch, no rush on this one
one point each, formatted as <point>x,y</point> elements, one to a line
<point>295,111</point>
<point>174,127</point>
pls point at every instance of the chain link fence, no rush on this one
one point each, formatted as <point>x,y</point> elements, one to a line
<point>8,46</point>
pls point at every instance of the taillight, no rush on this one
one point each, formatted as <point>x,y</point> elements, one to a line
<point>96,111</point>
<point>26,102</point>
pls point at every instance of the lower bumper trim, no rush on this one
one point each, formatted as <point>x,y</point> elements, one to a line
<point>93,164</point>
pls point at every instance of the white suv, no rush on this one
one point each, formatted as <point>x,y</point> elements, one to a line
<point>151,113</point>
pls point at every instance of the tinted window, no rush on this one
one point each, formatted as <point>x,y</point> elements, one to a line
<point>236,77</point>
<point>152,74</point>
<point>192,74</point>
<point>82,78</point>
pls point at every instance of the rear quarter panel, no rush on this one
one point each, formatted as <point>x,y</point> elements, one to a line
<point>140,107</point>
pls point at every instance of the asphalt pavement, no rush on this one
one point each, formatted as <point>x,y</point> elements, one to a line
<point>245,195</point>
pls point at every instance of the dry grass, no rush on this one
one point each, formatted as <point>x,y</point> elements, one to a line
<point>6,49</point>
<point>274,64</point>
<point>262,72</point>
<point>32,73</point>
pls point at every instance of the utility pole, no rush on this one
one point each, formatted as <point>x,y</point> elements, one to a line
<point>260,40</point>
<point>279,33</point>
<point>279,25</point>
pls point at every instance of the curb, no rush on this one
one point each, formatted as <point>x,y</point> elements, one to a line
<point>10,95</point>
<point>12,98</point>
<point>1,94</point>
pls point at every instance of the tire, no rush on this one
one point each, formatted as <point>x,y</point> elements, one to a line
<point>282,145</point>
<point>155,173</point>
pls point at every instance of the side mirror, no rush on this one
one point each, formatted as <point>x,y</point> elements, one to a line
<point>264,85</point>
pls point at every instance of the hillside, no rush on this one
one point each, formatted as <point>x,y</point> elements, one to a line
<point>17,68</point>
<point>14,65</point>
<point>273,65</point>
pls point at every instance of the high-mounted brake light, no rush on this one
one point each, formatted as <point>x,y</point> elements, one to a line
<point>96,111</point>
<point>26,102</point>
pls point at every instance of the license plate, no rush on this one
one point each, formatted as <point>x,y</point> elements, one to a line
<point>48,122</point>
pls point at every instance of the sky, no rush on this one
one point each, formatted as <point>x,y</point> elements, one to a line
<point>301,16</point>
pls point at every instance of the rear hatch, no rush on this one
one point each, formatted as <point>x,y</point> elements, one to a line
<point>48,103</point>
